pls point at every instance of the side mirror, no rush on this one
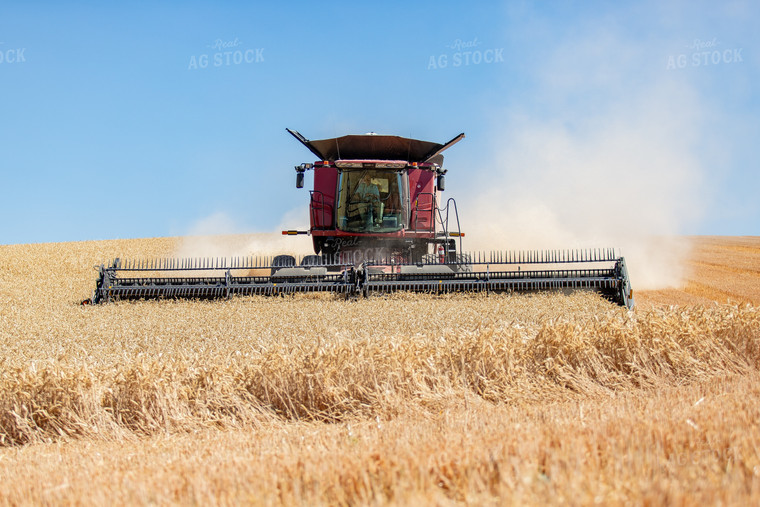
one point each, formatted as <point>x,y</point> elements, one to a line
<point>441,183</point>
<point>300,169</point>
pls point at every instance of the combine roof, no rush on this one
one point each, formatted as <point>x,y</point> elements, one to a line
<point>372,146</point>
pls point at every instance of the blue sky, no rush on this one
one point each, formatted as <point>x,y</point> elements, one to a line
<point>110,126</point>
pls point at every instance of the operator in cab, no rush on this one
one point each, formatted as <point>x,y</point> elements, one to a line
<point>367,195</point>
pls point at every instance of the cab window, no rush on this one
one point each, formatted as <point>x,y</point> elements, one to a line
<point>370,201</point>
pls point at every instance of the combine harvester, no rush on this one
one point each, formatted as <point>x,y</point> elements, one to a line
<point>378,225</point>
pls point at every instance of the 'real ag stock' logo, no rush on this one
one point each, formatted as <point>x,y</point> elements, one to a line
<point>11,54</point>
<point>464,53</point>
<point>225,53</point>
<point>704,53</point>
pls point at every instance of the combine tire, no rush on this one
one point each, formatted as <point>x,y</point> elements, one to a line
<point>311,260</point>
<point>282,261</point>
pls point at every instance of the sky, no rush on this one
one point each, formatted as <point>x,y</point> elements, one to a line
<point>152,119</point>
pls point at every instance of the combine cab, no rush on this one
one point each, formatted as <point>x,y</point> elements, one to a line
<point>378,224</point>
<point>375,199</point>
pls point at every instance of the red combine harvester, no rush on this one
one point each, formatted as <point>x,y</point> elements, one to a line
<point>378,225</point>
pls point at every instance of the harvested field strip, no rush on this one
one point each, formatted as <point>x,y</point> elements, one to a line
<point>726,285</point>
<point>711,293</point>
<point>720,269</point>
<point>377,361</point>
<point>750,271</point>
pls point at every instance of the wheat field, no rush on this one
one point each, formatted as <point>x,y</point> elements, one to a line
<point>406,399</point>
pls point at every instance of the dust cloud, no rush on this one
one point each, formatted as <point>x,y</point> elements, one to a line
<point>219,236</point>
<point>611,164</point>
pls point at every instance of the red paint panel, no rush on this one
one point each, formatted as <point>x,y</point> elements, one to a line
<point>421,199</point>
<point>323,197</point>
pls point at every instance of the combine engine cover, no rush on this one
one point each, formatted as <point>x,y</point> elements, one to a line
<point>377,226</point>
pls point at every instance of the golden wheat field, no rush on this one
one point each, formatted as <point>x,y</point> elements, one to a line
<point>406,399</point>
